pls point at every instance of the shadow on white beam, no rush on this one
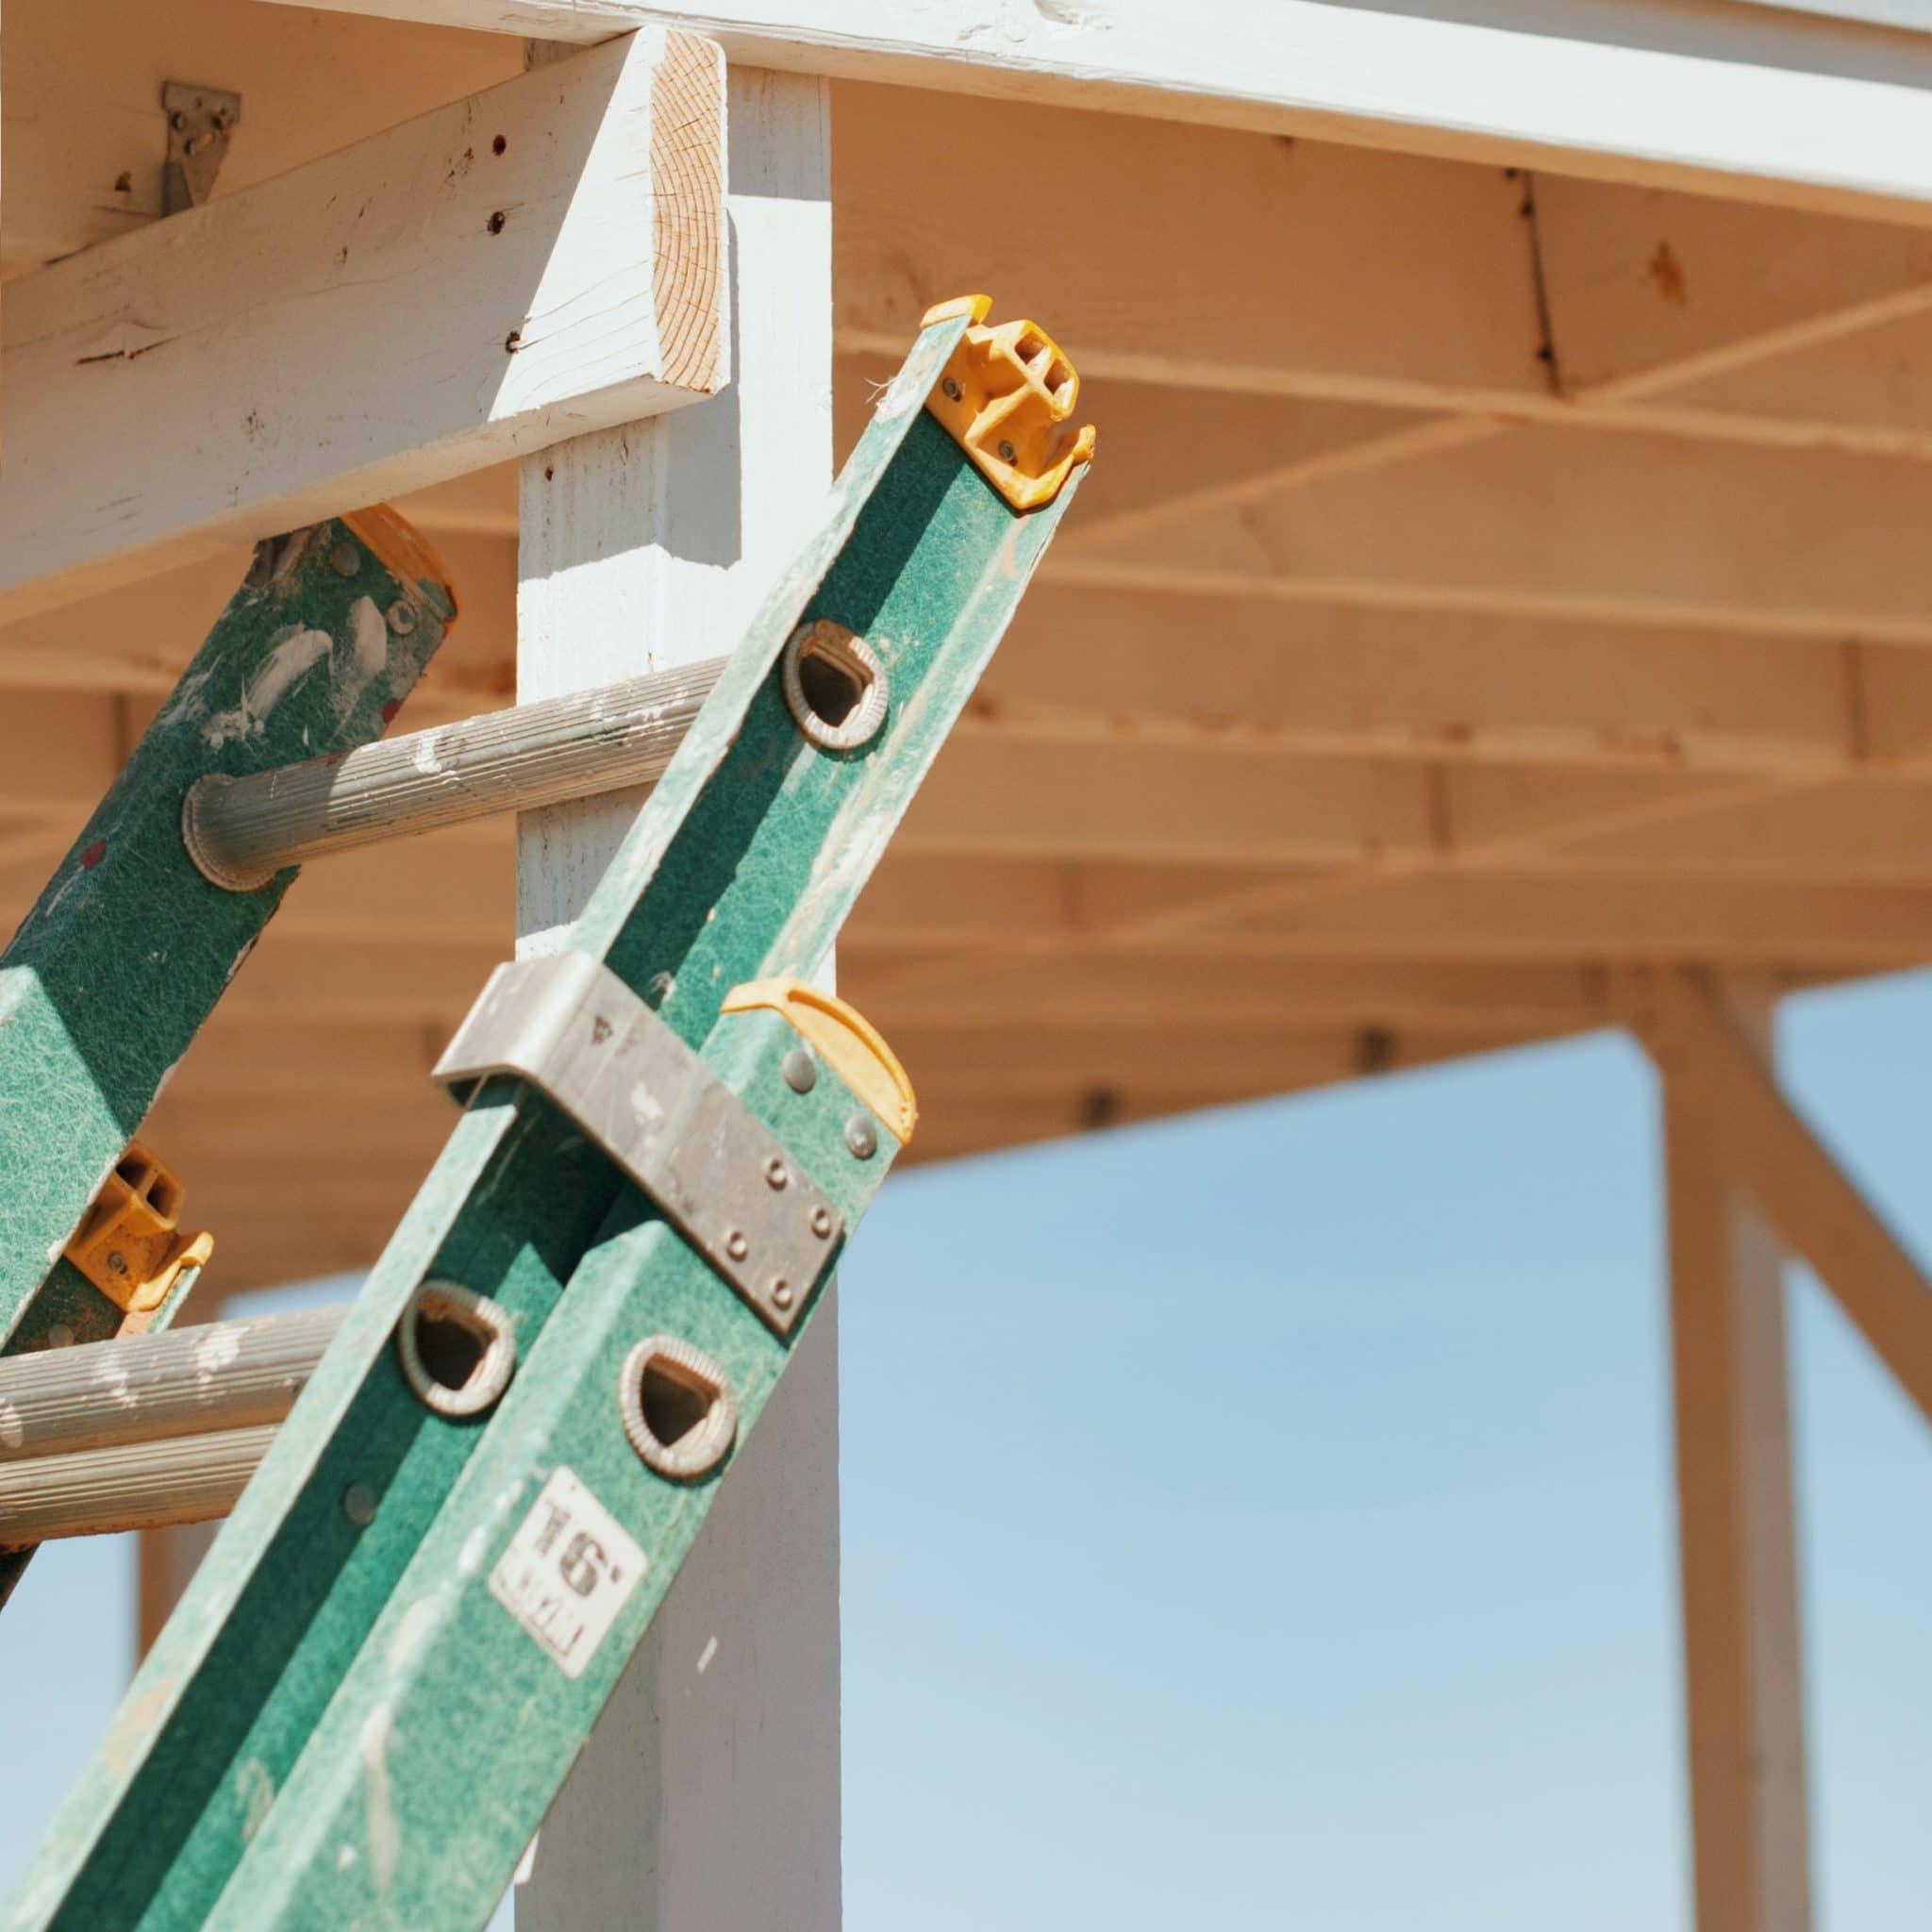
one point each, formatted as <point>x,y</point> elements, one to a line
<point>1749,102</point>
<point>535,261</point>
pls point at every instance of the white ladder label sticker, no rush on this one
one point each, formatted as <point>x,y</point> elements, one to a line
<point>568,1571</point>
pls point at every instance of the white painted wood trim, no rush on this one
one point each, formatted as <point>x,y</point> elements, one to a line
<point>1737,1529</point>
<point>708,1795</point>
<point>415,306</point>
<point>1909,16</point>
<point>1760,102</point>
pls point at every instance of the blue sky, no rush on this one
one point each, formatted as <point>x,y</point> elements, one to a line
<point>1263,1521</point>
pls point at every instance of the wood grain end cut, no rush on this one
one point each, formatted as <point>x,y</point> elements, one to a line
<point>687,169</point>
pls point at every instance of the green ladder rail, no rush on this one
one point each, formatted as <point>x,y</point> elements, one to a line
<point>378,1678</point>
<point>128,948</point>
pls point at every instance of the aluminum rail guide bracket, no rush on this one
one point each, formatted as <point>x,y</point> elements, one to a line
<point>379,1677</point>
<point>125,952</point>
<point>571,1027</point>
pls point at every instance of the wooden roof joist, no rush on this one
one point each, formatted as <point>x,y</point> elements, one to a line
<point>1572,527</point>
<point>541,260</point>
<point>1644,300</point>
<point>975,913</point>
<point>1231,809</point>
<point>973,1119</point>
<point>1185,996</point>
<point>1233,674</point>
<point>1749,102</point>
<point>1254,673</point>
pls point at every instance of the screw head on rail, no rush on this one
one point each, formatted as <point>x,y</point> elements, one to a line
<point>822,1222</point>
<point>401,617</point>
<point>358,1504</point>
<point>801,1072</point>
<point>736,1245</point>
<point>776,1173</point>
<point>861,1137</point>
<point>345,559</point>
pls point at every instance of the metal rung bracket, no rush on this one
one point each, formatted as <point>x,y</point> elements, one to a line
<point>577,1033</point>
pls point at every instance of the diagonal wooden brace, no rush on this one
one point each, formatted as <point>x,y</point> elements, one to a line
<point>1797,1182</point>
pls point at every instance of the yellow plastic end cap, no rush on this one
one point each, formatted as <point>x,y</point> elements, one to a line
<point>976,308</point>
<point>129,1244</point>
<point>844,1039</point>
<point>402,550</point>
<point>1007,396</point>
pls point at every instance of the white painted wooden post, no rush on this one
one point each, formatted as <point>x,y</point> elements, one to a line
<point>708,1796</point>
<point>1736,1533</point>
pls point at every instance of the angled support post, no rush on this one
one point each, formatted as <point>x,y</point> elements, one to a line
<point>1767,1148</point>
<point>1736,1523</point>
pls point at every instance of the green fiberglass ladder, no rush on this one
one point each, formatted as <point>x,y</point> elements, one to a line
<point>378,1678</point>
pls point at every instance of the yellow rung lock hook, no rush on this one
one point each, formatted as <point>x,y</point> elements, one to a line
<point>1006,397</point>
<point>129,1244</point>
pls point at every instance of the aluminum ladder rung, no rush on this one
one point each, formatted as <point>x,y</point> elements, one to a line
<point>242,831</point>
<point>164,1427</point>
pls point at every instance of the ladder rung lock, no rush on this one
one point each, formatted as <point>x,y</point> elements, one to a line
<point>128,1244</point>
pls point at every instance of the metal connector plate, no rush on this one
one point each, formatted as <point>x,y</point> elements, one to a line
<point>570,1026</point>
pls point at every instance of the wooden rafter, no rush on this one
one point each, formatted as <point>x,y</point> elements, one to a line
<point>128,445</point>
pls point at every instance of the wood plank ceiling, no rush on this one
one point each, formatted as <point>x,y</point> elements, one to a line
<point>1489,588</point>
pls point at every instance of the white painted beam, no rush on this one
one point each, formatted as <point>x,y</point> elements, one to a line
<point>1741,102</point>
<point>88,167</point>
<point>1736,1533</point>
<point>536,259</point>
<point>708,1795</point>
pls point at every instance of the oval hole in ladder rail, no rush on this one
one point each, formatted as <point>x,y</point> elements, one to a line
<point>677,1408</point>
<point>457,1349</point>
<point>835,686</point>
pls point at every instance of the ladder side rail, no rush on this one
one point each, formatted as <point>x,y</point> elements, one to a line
<point>125,952</point>
<point>931,579</point>
<point>302,1567</point>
